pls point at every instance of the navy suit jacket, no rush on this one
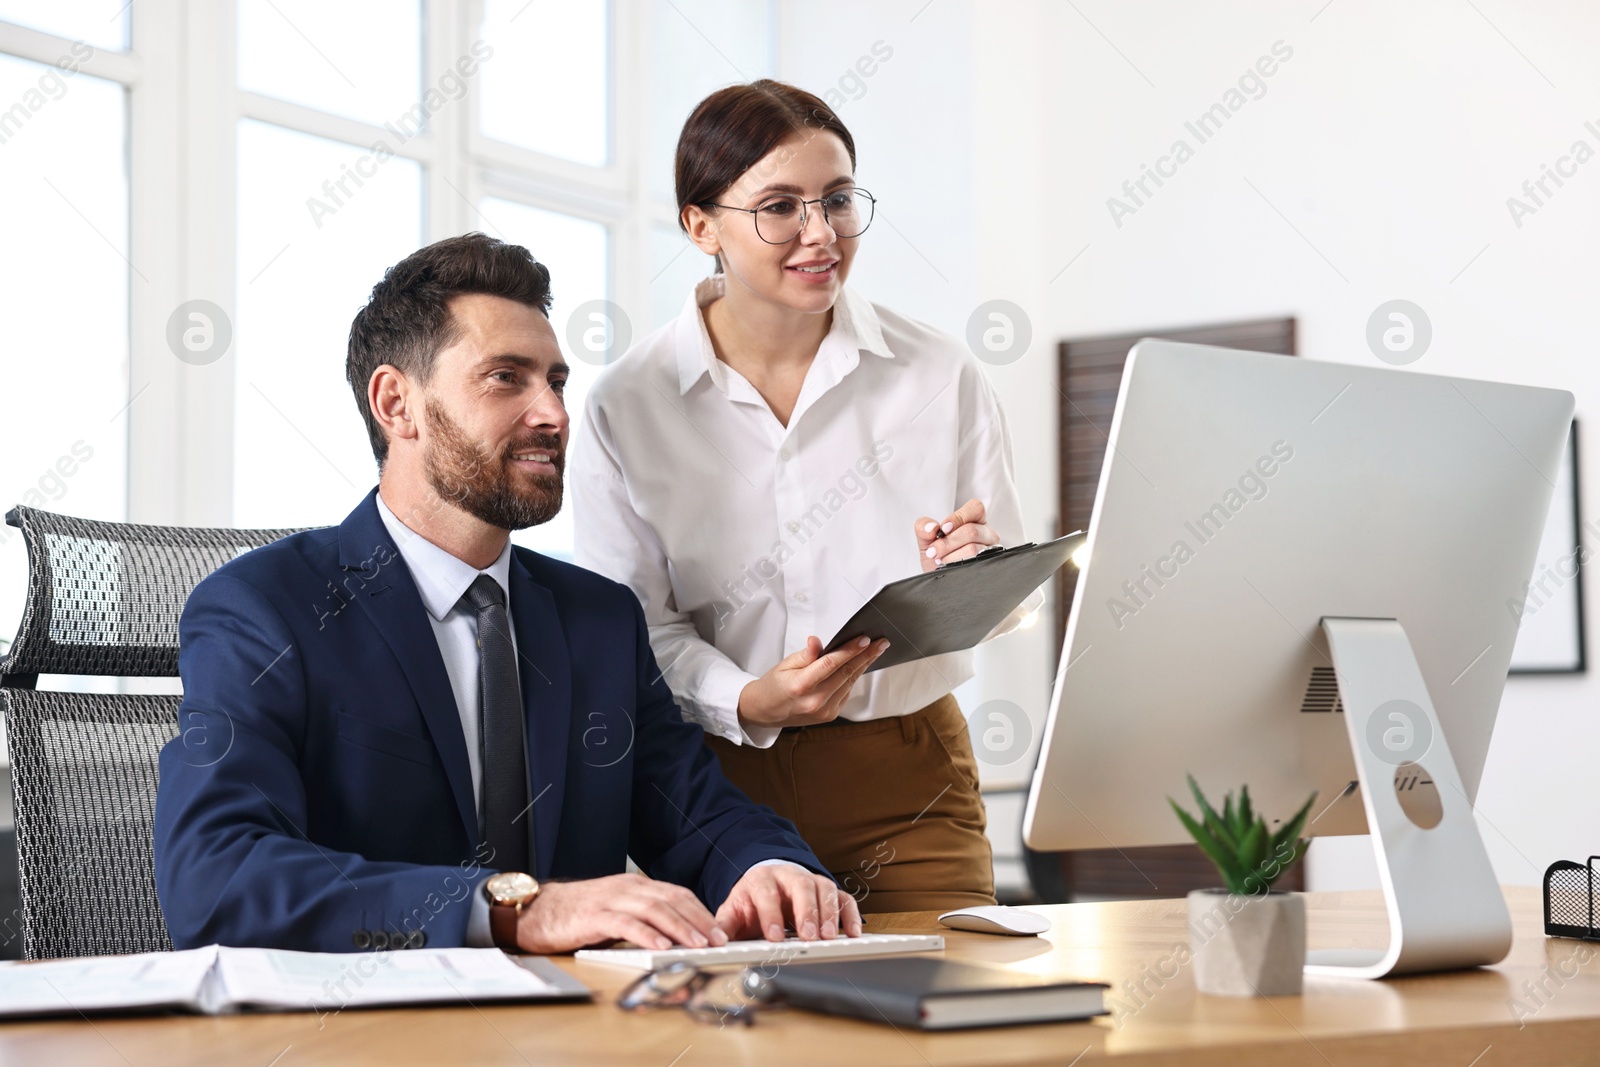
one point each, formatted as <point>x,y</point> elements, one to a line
<point>319,785</point>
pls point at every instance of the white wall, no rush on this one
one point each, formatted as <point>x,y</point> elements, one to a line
<point>1376,165</point>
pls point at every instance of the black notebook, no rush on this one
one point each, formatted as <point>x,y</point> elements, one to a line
<point>934,994</point>
<point>956,606</point>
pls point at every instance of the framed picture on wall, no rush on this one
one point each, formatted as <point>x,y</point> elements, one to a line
<point>1550,634</point>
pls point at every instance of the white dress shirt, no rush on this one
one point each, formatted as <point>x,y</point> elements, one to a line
<point>742,536</point>
<point>442,580</point>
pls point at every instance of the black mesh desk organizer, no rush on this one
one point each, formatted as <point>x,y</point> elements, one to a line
<point>1569,905</point>
<point>103,600</point>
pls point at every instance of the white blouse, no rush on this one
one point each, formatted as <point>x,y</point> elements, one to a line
<point>741,536</point>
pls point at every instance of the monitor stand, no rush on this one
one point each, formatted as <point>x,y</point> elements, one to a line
<point>1446,910</point>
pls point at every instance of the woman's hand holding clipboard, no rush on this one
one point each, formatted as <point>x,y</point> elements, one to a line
<point>957,605</point>
<point>808,686</point>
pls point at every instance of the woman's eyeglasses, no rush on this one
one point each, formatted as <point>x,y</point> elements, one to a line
<point>779,219</point>
<point>709,997</point>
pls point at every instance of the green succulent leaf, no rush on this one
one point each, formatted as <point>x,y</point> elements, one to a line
<point>1248,854</point>
<point>1220,854</point>
<point>1252,856</point>
<point>1219,826</point>
<point>1290,831</point>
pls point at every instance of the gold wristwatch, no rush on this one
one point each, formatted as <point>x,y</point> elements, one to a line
<point>508,893</point>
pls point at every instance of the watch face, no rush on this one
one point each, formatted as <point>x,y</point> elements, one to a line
<point>511,888</point>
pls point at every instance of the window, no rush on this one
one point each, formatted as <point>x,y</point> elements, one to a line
<point>97,23</point>
<point>578,254</point>
<point>249,132</point>
<point>357,58</point>
<point>312,242</point>
<point>695,49</point>
<point>549,89</point>
<point>677,266</point>
<point>65,186</point>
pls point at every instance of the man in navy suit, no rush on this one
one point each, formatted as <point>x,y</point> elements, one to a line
<point>379,716</point>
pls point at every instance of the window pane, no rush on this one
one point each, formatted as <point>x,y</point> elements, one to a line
<point>102,23</point>
<point>357,58</point>
<point>547,86</point>
<point>64,301</point>
<point>577,251</point>
<point>697,46</point>
<point>676,266</point>
<point>307,263</point>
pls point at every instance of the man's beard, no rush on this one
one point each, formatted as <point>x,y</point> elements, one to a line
<point>486,486</point>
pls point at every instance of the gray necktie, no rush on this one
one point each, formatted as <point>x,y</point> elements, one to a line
<point>504,811</point>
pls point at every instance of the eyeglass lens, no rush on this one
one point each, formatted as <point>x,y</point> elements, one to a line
<point>780,218</point>
<point>734,996</point>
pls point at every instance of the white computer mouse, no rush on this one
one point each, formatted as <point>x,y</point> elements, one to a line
<point>996,919</point>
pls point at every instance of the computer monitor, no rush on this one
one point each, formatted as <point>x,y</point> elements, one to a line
<point>1304,575</point>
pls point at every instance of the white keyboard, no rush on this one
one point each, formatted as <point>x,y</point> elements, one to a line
<point>778,952</point>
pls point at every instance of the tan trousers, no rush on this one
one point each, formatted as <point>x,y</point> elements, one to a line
<point>890,806</point>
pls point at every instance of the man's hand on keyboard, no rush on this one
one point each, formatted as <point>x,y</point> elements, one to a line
<point>622,907</point>
<point>769,896</point>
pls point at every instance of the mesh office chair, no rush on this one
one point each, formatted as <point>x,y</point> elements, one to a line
<point>103,599</point>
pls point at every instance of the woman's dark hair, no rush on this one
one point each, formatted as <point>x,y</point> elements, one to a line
<point>407,320</point>
<point>733,128</point>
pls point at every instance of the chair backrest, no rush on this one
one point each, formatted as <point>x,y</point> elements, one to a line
<point>104,599</point>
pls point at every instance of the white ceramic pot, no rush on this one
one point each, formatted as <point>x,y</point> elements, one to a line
<point>1246,946</point>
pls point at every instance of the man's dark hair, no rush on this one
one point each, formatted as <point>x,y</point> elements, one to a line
<point>407,320</point>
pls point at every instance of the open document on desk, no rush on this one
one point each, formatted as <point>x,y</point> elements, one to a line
<point>216,980</point>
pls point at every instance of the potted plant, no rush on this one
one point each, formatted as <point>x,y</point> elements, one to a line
<point>1246,939</point>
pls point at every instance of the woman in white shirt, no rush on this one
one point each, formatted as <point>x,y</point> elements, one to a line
<point>758,468</point>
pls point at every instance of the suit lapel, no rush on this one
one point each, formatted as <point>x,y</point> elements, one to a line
<point>383,586</point>
<point>545,673</point>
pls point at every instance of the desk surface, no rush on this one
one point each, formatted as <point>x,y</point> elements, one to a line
<point>1465,1020</point>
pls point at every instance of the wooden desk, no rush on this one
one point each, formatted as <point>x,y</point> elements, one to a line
<point>1463,1020</point>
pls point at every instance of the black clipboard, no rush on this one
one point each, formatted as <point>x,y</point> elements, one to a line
<point>955,607</point>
